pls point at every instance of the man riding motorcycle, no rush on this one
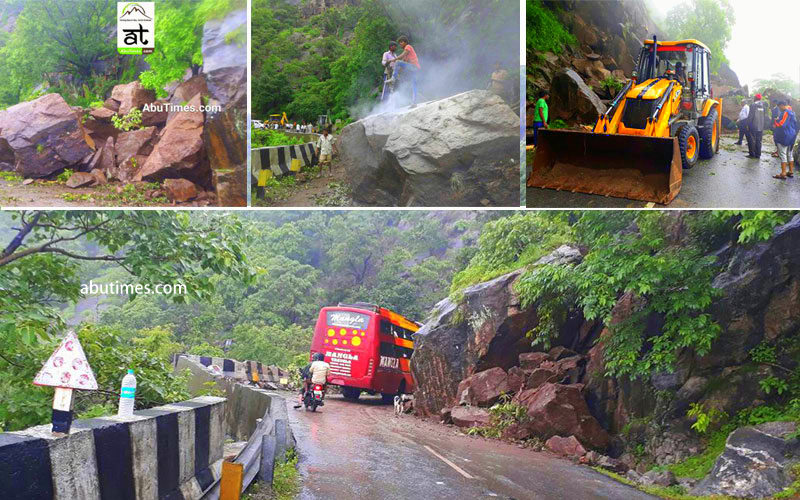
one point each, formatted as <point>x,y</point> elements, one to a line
<point>314,373</point>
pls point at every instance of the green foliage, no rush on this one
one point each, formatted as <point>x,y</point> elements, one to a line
<point>708,21</point>
<point>755,225</point>
<point>778,81</point>
<point>558,123</point>
<point>502,414</point>
<point>131,121</point>
<point>705,417</point>
<point>206,349</point>
<point>264,138</point>
<point>64,176</point>
<point>545,33</point>
<point>612,84</point>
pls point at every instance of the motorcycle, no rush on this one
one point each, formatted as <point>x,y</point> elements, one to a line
<point>314,396</point>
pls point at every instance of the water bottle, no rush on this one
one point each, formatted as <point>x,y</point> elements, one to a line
<point>127,395</point>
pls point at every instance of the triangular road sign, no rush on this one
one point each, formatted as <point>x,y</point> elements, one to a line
<point>67,367</point>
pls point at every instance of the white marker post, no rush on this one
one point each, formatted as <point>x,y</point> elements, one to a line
<point>67,369</point>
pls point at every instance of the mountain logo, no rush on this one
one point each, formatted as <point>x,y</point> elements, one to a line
<point>132,9</point>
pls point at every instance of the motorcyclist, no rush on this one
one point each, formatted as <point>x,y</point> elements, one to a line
<point>315,372</point>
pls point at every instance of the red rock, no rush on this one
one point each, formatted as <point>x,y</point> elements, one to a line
<point>127,170</point>
<point>180,152</point>
<point>484,388</point>
<point>470,416</point>
<point>99,177</point>
<point>80,179</point>
<point>180,190</point>
<point>189,89</point>
<point>516,378</point>
<point>516,432</point>
<point>107,161</point>
<point>532,360</point>
<point>111,104</point>
<point>541,376</point>
<point>135,142</point>
<point>131,95</point>
<point>560,352</point>
<point>155,113</point>
<point>103,114</point>
<point>556,409</point>
<point>567,446</point>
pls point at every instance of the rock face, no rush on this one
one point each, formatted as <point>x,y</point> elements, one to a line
<point>225,58</point>
<point>224,136</point>
<point>452,152</point>
<point>487,330</point>
<point>42,136</point>
<point>755,463</point>
<point>572,100</point>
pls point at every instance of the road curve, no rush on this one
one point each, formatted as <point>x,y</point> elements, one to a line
<point>361,450</point>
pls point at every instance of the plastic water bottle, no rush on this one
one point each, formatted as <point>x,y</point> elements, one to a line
<point>127,395</point>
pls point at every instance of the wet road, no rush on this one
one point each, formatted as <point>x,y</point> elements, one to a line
<point>350,450</point>
<point>730,179</point>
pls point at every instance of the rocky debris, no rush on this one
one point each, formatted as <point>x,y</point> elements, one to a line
<point>483,388</point>
<point>111,104</point>
<point>103,113</point>
<point>532,360</point>
<point>225,58</point>
<point>470,416</point>
<point>155,114</point>
<point>557,409</point>
<point>451,152</point>
<point>663,478</point>
<point>486,330</point>
<point>567,446</point>
<point>99,177</point>
<point>180,190</point>
<point>131,95</point>
<point>225,137</point>
<point>572,100</point>
<point>135,142</point>
<point>180,152</point>
<point>755,464</point>
<point>79,179</point>
<point>43,136</point>
<point>596,459</point>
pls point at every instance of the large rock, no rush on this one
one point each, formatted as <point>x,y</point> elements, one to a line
<point>567,446</point>
<point>486,330</point>
<point>225,137</point>
<point>135,142</point>
<point>560,410</point>
<point>572,100</point>
<point>470,416</point>
<point>484,388</point>
<point>180,152</point>
<point>180,190</point>
<point>451,152</point>
<point>131,95</point>
<point>43,136</point>
<point>225,58</point>
<point>80,179</point>
<point>756,462</point>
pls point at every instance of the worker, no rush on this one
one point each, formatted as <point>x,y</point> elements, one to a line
<point>408,61</point>
<point>325,148</point>
<point>540,114</point>
<point>499,81</point>
<point>785,132</point>
<point>755,125</point>
<point>679,73</point>
<point>388,60</point>
<point>741,122</point>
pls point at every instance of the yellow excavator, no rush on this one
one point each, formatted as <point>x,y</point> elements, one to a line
<point>663,120</point>
<point>279,119</point>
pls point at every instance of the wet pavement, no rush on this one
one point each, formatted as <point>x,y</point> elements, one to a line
<point>351,450</point>
<point>729,180</point>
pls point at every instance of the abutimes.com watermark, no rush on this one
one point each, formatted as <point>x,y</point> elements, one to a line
<point>178,108</point>
<point>117,288</point>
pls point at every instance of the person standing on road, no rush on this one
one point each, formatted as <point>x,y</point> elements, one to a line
<point>325,148</point>
<point>741,122</point>
<point>540,114</point>
<point>785,132</point>
<point>755,125</point>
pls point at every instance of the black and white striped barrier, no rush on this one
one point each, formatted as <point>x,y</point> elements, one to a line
<point>168,452</point>
<point>250,371</point>
<point>278,161</point>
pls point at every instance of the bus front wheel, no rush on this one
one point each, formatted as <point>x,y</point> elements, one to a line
<point>351,393</point>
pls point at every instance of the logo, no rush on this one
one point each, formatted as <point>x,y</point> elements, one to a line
<point>135,27</point>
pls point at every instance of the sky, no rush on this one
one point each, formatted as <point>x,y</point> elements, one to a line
<point>765,37</point>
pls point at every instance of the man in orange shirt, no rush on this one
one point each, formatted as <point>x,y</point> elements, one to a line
<point>409,62</point>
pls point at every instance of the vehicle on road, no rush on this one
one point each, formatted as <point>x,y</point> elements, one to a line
<point>663,121</point>
<point>368,347</point>
<point>280,119</point>
<point>258,124</point>
<point>314,397</point>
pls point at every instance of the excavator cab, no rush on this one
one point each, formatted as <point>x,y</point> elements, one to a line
<point>662,122</point>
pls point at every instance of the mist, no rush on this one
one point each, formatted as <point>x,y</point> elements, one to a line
<point>458,47</point>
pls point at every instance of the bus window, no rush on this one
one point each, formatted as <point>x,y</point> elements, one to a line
<point>388,349</point>
<point>386,327</point>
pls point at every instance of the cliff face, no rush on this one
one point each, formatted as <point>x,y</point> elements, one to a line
<point>759,298</point>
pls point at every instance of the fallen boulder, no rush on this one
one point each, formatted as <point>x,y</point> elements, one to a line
<point>129,96</point>
<point>756,462</point>
<point>135,142</point>
<point>79,179</point>
<point>44,136</point>
<point>455,151</point>
<point>567,446</point>
<point>483,388</point>
<point>180,190</point>
<point>572,100</point>
<point>225,58</point>
<point>470,416</point>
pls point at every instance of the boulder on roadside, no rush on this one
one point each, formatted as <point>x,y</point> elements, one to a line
<point>483,388</point>
<point>43,136</point>
<point>572,100</point>
<point>224,49</point>
<point>470,416</point>
<point>135,142</point>
<point>567,446</point>
<point>79,179</point>
<point>180,190</point>
<point>131,95</point>
<point>756,462</point>
<point>663,478</point>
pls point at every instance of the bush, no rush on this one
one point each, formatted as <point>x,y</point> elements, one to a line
<point>545,33</point>
<point>262,138</point>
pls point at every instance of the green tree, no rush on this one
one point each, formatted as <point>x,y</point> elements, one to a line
<point>779,82</point>
<point>708,21</point>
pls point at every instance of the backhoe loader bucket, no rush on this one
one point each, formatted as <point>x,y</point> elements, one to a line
<point>624,166</point>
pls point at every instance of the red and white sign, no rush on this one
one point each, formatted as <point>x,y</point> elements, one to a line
<point>67,367</point>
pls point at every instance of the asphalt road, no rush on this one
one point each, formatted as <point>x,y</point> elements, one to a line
<point>361,450</point>
<point>729,180</point>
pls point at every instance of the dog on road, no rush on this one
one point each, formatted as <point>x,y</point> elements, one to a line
<point>403,403</point>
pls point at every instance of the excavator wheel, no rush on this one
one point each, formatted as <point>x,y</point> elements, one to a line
<point>689,144</point>
<point>709,136</point>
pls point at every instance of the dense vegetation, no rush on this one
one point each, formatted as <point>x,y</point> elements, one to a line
<point>544,32</point>
<point>70,48</point>
<point>780,82</point>
<point>330,63</point>
<point>709,21</point>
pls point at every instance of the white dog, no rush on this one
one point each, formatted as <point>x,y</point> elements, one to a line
<point>403,404</point>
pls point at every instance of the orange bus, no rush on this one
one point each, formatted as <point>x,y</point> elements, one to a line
<point>368,347</point>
